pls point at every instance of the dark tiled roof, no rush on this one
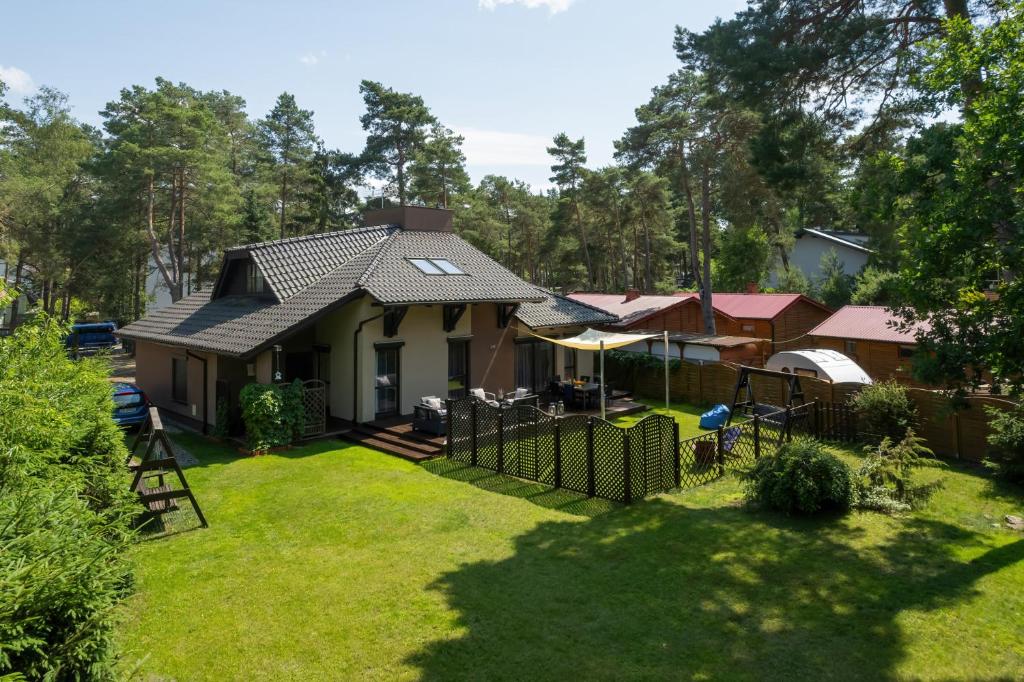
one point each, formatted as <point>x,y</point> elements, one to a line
<point>314,275</point>
<point>560,311</point>
<point>393,279</point>
<point>291,265</point>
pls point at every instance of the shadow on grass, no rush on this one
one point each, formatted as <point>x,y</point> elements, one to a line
<point>544,496</point>
<point>658,590</point>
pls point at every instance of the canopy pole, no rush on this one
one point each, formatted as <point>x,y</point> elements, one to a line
<point>665,348</point>
<point>602,378</point>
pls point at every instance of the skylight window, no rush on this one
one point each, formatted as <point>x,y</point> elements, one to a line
<point>436,266</point>
<point>446,265</point>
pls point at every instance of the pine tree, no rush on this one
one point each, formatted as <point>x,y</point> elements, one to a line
<point>289,138</point>
<point>396,124</point>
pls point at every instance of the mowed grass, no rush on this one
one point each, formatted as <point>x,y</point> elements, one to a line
<point>338,562</point>
<point>688,416</point>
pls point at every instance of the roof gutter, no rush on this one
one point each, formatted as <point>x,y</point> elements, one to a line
<point>355,364</point>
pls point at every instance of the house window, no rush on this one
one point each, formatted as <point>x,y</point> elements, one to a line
<point>907,352</point>
<point>748,328</point>
<point>253,279</point>
<point>179,380</point>
<point>436,266</point>
<point>387,380</point>
<point>458,368</point>
<point>851,348</point>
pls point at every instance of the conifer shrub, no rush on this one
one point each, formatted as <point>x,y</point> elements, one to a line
<point>802,478</point>
<point>65,509</point>
<point>884,410</point>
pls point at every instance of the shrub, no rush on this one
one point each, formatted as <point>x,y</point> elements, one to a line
<point>884,410</point>
<point>65,510</point>
<point>1007,440</point>
<point>885,478</point>
<point>273,415</point>
<point>223,426</point>
<point>802,478</point>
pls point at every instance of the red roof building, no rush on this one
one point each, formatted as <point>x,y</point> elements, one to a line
<point>784,319</point>
<point>870,336</point>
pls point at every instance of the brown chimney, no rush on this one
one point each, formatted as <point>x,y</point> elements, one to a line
<point>752,288</point>
<point>419,218</point>
<point>632,294</point>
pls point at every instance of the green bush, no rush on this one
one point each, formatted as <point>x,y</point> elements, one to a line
<point>222,428</point>
<point>885,477</point>
<point>273,415</point>
<point>1007,441</point>
<point>884,410</point>
<point>65,510</point>
<point>802,478</point>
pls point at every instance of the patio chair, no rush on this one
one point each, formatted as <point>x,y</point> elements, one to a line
<point>484,397</point>
<point>430,416</point>
<point>522,396</point>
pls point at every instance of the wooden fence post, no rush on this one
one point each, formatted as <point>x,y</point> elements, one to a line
<point>720,450</point>
<point>591,481</point>
<point>627,488</point>
<point>472,431</point>
<point>678,457</point>
<point>757,436</point>
<point>817,420</point>
<point>558,452</point>
<point>788,427</point>
<point>501,441</point>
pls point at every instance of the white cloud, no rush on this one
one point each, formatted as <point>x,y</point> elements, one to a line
<point>313,58</point>
<point>553,6</point>
<point>487,147</point>
<point>17,80</point>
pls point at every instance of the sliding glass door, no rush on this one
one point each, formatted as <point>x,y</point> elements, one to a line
<point>534,365</point>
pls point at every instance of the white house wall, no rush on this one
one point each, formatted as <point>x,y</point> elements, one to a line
<point>423,357</point>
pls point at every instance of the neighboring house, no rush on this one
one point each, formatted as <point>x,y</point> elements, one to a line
<point>782,319</point>
<point>383,315</point>
<point>868,336</point>
<point>811,245</point>
<point>8,305</point>
<point>648,312</point>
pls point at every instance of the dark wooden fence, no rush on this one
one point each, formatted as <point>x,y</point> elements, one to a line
<point>706,457</point>
<point>585,454</point>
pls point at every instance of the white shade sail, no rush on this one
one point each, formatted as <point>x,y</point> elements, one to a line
<point>593,339</point>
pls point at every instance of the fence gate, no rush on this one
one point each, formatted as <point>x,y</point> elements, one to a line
<point>314,400</point>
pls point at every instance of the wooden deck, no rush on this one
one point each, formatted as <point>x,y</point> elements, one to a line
<point>396,436</point>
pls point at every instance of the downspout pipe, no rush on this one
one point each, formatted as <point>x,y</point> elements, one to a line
<point>206,389</point>
<point>355,364</point>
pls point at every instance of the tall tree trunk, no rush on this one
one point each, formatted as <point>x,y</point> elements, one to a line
<point>400,173</point>
<point>154,241</point>
<point>583,241</point>
<point>182,276</point>
<point>691,214</point>
<point>706,304</point>
<point>648,276</point>
<point>284,199</point>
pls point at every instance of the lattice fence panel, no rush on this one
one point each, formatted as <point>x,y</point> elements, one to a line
<point>740,450</point>
<point>699,460</point>
<point>609,449</point>
<point>574,452</point>
<point>544,449</point>
<point>460,429</point>
<point>487,424</point>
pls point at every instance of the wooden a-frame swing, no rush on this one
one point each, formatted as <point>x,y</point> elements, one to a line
<point>160,498</point>
<point>782,414</point>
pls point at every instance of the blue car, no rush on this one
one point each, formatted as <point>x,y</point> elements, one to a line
<point>89,337</point>
<point>130,405</point>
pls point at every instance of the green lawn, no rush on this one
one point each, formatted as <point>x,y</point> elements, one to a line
<point>335,561</point>
<point>687,415</point>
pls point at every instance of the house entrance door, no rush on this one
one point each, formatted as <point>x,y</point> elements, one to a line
<point>387,382</point>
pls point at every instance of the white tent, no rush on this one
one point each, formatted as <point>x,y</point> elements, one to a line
<point>599,341</point>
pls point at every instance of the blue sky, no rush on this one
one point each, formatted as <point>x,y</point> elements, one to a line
<point>508,74</point>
